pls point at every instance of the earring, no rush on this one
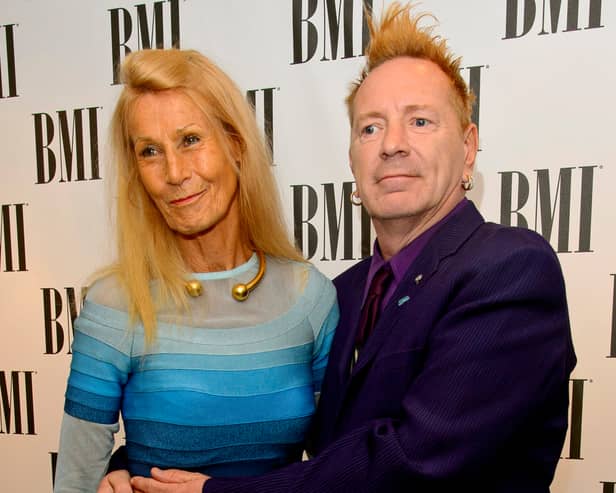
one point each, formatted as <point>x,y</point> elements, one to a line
<point>467,182</point>
<point>355,198</point>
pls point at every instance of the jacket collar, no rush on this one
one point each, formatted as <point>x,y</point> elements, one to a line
<point>451,235</point>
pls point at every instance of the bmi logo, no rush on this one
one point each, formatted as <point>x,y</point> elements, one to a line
<point>58,310</point>
<point>573,448</point>
<point>324,221</point>
<point>8,79</point>
<point>54,462</point>
<point>153,25</point>
<point>262,101</point>
<point>553,203</point>
<point>613,339</point>
<point>12,237</point>
<point>336,28</point>
<point>73,152</point>
<point>17,403</point>
<point>555,16</point>
<point>473,74</point>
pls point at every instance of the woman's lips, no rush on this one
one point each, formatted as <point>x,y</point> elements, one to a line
<point>188,199</point>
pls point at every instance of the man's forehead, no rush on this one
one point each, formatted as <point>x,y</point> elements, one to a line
<point>403,71</point>
<point>403,81</point>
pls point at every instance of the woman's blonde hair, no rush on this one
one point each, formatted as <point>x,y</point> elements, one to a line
<point>146,247</point>
<point>399,34</point>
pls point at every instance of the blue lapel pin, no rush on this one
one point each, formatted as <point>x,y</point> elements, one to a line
<point>403,300</point>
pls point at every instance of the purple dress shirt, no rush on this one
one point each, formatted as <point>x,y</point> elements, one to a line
<point>402,260</point>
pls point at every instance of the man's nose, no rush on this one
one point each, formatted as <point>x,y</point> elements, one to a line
<point>395,140</point>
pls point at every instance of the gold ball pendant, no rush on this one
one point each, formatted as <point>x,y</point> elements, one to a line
<point>194,288</point>
<point>240,292</point>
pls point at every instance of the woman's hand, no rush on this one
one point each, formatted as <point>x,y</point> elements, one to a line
<point>169,481</point>
<point>115,482</point>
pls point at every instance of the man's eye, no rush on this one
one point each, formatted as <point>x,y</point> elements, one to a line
<point>369,130</point>
<point>191,140</point>
<point>420,122</point>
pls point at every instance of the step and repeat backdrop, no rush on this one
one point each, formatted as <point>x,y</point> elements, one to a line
<point>544,78</point>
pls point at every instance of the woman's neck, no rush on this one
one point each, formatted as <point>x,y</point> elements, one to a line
<point>214,250</point>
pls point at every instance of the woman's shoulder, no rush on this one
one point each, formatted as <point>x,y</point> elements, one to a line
<point>304,272</point>
<point>106,290</point>
<point>103,316</point>
<point>314,290</point>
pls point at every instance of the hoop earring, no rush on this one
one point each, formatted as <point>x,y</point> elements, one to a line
<point>355,198</point>
<point>468,183</point>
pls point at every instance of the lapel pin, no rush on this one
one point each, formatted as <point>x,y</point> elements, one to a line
<point>403,300</point>
<point>418,278</point>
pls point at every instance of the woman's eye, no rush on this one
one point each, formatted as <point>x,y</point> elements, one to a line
<point>421,122</point>
<point>148,151</point>
<point>191,140</point>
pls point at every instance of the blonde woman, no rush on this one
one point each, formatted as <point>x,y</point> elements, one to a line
<point>210,335</point>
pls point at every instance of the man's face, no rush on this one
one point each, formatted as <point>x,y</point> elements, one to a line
<point>408,151</point>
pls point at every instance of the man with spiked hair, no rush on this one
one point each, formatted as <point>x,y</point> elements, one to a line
<point>461,383</point>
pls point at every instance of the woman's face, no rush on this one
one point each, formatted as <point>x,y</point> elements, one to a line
<point>182,165</point>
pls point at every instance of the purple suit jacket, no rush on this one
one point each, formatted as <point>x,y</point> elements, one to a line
<point>462,386</point>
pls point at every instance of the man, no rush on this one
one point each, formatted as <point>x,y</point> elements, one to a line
<point>462,384</point>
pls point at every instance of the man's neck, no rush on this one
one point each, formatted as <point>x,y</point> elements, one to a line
<point>395,234</point>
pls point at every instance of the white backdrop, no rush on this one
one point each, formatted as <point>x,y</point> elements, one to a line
<point>544,74</point>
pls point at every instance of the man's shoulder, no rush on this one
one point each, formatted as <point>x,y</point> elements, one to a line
<point>507,249</point>
<point>353,274</point>
<point>497,237</point>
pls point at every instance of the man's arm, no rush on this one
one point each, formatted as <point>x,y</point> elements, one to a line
<point>498,357</point>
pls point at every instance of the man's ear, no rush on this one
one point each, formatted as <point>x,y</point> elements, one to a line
<point>471,146</point>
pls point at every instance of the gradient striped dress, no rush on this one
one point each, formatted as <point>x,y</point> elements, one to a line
<point>228,389</point>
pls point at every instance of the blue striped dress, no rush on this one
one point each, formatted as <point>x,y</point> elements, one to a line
<point>228,389</point>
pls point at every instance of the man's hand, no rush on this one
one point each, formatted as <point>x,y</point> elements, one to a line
<point>115,482</point>
<point>170,481</point>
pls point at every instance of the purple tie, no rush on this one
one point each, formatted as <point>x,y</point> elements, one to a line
<point>371,308</point>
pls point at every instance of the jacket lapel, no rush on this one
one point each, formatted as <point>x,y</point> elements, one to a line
<point>446,241</point>
<point>353,294</point>
<point>338,370</point>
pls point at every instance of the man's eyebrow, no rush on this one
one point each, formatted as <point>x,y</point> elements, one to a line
<point>407,108</point>
<point>369,114</point>
<point>415,107</point>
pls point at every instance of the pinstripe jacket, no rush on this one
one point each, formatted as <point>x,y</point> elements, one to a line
<point>463,384</point>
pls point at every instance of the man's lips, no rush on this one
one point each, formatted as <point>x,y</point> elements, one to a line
<point>187,199</point>
<point>397,176</point>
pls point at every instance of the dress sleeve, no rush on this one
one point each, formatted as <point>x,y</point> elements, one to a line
<point>99,370</point>
<point>85,448</point>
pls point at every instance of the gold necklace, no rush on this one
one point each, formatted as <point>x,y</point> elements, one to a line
<point>240,291</point>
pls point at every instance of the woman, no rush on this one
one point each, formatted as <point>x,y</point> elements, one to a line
<point>210,334</point>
